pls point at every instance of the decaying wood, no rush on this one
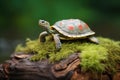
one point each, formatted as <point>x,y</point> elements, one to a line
<point>19,67</point>
<point>65,66</point>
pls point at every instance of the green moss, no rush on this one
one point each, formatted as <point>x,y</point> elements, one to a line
<point>113,56</point>
<point>93,57</point>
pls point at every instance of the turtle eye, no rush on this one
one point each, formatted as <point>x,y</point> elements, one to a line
<point>42,21</point>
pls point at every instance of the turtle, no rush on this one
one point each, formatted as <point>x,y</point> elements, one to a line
<point>68,29</point>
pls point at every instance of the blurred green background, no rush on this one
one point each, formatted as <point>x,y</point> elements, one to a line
<point>19,18</point>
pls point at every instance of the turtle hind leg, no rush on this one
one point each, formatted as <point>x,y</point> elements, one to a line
<point>42,36</point>
<point>93,39</point>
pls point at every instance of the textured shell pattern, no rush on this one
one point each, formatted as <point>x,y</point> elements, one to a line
<point>73,28</point>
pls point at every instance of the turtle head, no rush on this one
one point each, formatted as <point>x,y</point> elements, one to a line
<point>44,24</point>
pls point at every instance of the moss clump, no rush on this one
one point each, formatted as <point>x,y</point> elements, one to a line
<point>113,50</point>
<point>93,57</point>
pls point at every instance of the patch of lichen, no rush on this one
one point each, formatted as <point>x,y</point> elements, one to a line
<point>101,57</point>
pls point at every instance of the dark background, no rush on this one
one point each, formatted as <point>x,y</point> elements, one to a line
<point>19,18</point>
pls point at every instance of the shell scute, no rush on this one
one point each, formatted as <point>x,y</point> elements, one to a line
<point>73,28</point>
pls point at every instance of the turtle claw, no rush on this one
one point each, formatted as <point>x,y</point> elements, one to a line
<point>58,46</point>
<point>58,49</point>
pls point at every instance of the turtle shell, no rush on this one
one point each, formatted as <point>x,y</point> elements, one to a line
<point>73,28</point>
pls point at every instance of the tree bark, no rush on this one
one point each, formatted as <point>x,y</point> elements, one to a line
<point>19,67</point>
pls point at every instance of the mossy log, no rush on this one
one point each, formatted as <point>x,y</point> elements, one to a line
<point>19,67</point>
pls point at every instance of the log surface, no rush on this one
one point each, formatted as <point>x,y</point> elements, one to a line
<point>19,67</point>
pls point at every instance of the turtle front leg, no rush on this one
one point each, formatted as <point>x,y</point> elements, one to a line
<point>57,41</point>
<point>42,36</point>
